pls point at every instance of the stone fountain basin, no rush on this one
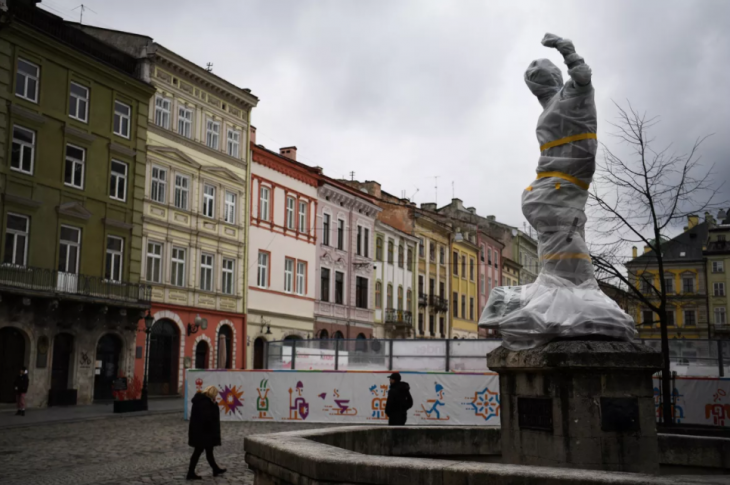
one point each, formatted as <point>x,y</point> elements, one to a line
<point>439,455</point>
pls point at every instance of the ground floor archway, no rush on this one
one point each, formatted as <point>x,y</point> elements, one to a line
<point>201,355</point>
<point>108,351</point>
<point>12,359</point>
<point>61,370</point>
<point>164,358</point>
<point>259,351</point>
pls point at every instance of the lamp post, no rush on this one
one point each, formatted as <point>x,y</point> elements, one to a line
<point>149,320</point>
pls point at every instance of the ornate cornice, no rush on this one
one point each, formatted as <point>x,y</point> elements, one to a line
<point>282,165</point>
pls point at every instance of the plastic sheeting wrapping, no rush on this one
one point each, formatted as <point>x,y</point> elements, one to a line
<point>565,299</point>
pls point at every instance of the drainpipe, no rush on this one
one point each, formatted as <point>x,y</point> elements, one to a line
<point>246,226</point>
<point>350,271</point>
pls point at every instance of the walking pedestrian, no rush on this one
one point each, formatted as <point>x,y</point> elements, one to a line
<point>21,388</point>
<point>205,430</point>
<point>399,401</point>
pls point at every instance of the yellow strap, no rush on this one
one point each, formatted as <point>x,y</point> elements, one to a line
<point>529,189</point>
<point>568,139</point>
<point>564,176</point>
<point>556,256</point>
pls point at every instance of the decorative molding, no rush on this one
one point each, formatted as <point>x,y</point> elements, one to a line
<point>27,114</point>
<point>74,209</point>
<point>16,199</point>
<point>223,173</point>
<point>80,134</point>
<point>119,224</point>
<point>121,149</point>
<point>173,153</point>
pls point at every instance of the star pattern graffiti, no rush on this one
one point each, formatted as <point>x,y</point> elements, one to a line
<point>486,404</point>
<point>231,399</point>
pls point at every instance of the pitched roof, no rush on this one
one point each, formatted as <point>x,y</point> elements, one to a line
<point>684,247</point>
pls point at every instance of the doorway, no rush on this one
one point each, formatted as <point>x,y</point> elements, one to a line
<point>201,355</point>
<point>225,348</point>
<point>63,347</point>
<point>12,359</point>
<point>108,351</point>
<point>259,346</point>
<point>164,358</point>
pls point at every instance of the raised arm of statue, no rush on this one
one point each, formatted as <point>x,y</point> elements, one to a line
<point>579,71</point>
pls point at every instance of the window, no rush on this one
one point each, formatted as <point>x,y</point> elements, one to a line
<point>182,189</point>
<point>431,328</point>
<point>301,278</point>
<point>154,262</point>
<point>162,112</point>
<point>432,251</point>
<point>122,115</point>
<point>401,256</point>
<point>213,129</point>
<point>420,323</point>
<point>114,248</point>
<point>158,188</point>
<point>390,251</point>
<point>263,272</point>
<point>421,248</point>
<point>228,270</point>
<point>326,230</point>
<point>21,159</point>
<point>302,217</point>
<point>78,103</point>
<point>366,243</point>
<point>717,267</point>
<point>340,234</point>
<point>482,253</point>
<point>455,305</point>
<point>647,317</point>
<point>471,308</point>
<point>483,285</point>
<point>455,257</point>
<point>16,240</point>
<point>389,298</point>
<point>118,181</point>
<point>68,254</point>
<point>339,287</point>
<point>471,269</point>
<point>442,289</point>
<point>209,201</point>
<point>669,283</point>
<point>670,318</point>
<point>264,194</point>
<point>230,214</point>
<point>359,241</point>
<point>442,255</point>
<point>463,307</point>
<point>325,284</point>
<point>234,141</point>
<point>177,272</point>
<point>720,316</point>
<point>74,172</point>
<point>185,122</point>
<point>400,298</point>
<point>361,292</point>
<point>409,300</point>
<point>489,280</point>
<point>288,274</point>
<point>718,289</point>
<point>463,266</point>
<point>26,80</point>
<point>442,327</point>
<point>206,272</point>
<point>688,284</point>
<point>647,284</point>
<point>379,248</point>
<point>378,294</point>
<point>496,260</point>
<point>420,284</point>
<point>410,259</point>
<point>690,318</point>
<point>489,257</point>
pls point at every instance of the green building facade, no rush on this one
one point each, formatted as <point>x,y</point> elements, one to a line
<point>73,130</point>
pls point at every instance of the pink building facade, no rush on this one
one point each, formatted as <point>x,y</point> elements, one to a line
<point>345,280</point>
<point>490,266</point>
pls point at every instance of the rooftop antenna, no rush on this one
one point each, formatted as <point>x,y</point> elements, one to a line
<point>352,176</point>
<point>436,188</point>
<point>414,194</point>
<point>453,192</point>
<point>209,67</point>
<point>81,8</point>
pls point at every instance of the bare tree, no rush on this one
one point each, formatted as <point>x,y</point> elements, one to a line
<point>638,198</point>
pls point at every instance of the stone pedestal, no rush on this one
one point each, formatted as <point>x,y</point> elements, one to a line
<point>579,404</point>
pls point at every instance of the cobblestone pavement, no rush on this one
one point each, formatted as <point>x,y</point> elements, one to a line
<point>141,450</point>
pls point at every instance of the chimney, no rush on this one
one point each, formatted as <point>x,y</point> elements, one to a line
<point>319,169</point>
<point>428,206</point>
<point>253,135</point>
<point>458,203</point>
<point>721,215</point>
<point>491,218</point>
<point>373,188</point>
<point>634,252</point>
<point>692,221</point>
<point>289,152</point>
<point>472,210</point>
<point>709,219</point>
<point>646,249</point>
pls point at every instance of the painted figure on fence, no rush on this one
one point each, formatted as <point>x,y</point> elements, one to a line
<point>433,412</point>
<point>262,402</point>
<point>341,407</point>
<point>485,404</point>
<point>380,398</point>
<point>298,407</point>
<point>564,300</point>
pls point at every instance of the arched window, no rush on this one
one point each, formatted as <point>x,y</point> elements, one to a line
<point>400,256</point>
<point>390,251</point>
<point>409,300</point>
<point>338,335</point>
<point>324,334</point>
<point>389,300</point>
<point>378,294</point>
<point>225,348</point>
<point>400,298</point>
<point>201,355</point>
<point>379,248</point>
<point>361,343</point>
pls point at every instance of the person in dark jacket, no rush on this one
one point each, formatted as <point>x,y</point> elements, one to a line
<point>21,388</point>
<point>399,401</point>
<point>205,430</point>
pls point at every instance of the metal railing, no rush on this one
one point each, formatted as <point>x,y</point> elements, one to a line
<point>398,317</point>
<point>422,299</point>
<point>438,303</point>
<point>58,282</point>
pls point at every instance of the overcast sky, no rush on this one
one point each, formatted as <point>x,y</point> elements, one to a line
<point>405,91</point>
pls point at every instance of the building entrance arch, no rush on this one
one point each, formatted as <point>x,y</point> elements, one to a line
<point>108,351</point>
<point>164,358</point>
<point>259,349</point>
<point>12,359</point>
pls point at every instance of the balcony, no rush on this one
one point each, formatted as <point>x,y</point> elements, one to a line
<point>399,318</point>
<point>422,300</point>
<point>439,304</point>
<point>51,283</point>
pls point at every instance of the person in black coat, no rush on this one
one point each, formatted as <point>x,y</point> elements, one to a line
<point>205,430</point>
<point>399,401</point>
<point>21,388</point>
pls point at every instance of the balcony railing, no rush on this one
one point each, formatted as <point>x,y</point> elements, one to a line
<point>61,283</point>
<point>439,304</point>
<point>398,317</point>
<point>422,299</point>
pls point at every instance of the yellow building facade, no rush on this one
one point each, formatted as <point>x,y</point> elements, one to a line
<point>432,280</point>
<point>717,253</point>
<point>464,278</point>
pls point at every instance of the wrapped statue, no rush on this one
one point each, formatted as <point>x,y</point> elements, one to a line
<point>565,300</point>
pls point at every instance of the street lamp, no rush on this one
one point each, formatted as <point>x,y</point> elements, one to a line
<point>149,320</point>
<point>199,323</point>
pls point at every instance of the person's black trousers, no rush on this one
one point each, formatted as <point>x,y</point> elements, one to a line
<point>397,420</point>
<point>196,456</point>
